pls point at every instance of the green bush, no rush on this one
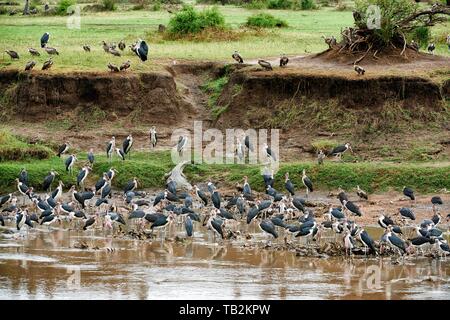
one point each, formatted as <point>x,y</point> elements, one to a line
<point>189,21</point>
<point>307,5</point>
<point>256,4</point>
<point>109,5</point>
<point>265,20</point>
<point>279,4</point>
<point>61,7</point>
<point>156,6</point>
<point>422,36</point>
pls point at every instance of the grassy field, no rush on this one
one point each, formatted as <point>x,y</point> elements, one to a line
<point>302,36</point>
<point>151,167</point>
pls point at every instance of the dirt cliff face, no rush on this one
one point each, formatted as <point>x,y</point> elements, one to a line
<point>39,97</point>
<point>265,91</point>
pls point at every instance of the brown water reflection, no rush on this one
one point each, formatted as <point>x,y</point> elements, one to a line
<point>45,265</point>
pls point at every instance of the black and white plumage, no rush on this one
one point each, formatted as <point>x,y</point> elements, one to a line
<point>366,240</point>
<point>307,183</point>
<point>30,65</point>
<point>49,220</point>
<point>90,223</point>
<point>298,203</point>
<point>361,193</point>
<point>22,187</point>
<point>436,218</point>
<point>385,221</point>
<point>13,54</point>
<point>248,143</point>
<point>414,45</point>
<point>44,39</point>
<point>268,227</point>
<point>442,247</point>
<point>353,208</point>
<point>270,154</point>
<point>289,185</point>
<point>63,149</point>
<point>265,64</point>
<point>110,148</point>
<point>141,50</point>
<point>360,70</point>
<point>247,190</point>
<point>82,175</point>
<point>408,192</point>
<point>153,137</point>
<point>181,144</point>
<point>340,150</point>
<point>172,186</point>
<point>131,185</point>
<point>431,47</point>
<point>201,195</point>
<point>436,200</point>
<point>86,48</point>
<point>47,64</point>
<point>6,199</point>
<point>236,56</point>
<point>407,213</point>
<point>283,60</point>
<point>34,52</point>
<point>395,241</point>
<point>57,193</point>
<point>120,153</point>
<point>69,163</point>
<point>336,213</point>
<point>127,144</point>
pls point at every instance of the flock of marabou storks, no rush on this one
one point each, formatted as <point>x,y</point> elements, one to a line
<point>275,212</point>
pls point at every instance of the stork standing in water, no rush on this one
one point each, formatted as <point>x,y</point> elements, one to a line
<point>307,183</point>
<point>237,57</point>
<point>127,144</point>
<point>153,137</point>
<point>23,189</point>
<point>57,193</point>
<point>70,161</point>
<point>110,148</point>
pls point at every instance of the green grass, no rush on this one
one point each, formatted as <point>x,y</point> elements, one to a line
<point>12,148</point>
<point>151,167</point>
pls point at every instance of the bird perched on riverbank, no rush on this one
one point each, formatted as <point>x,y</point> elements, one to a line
<point>330,41</point>
<point>360,70</point>
<point>320,157</point>
<point>307,183</point>
<point>127,144</point>
<point>30,65</point>
<point>340,150</point>
<point>13,54</point>
<point>265,64</point>
<point>431,47</point>
<point>44,39</point>
<point>141,50</point>
<point>126,65</point>
<point>33,52</point>
<point>283,60</point>
<point>70,161</point>
<point>113,67</point>
<point>409,193</point>
<point>47,64</point>
<point>236,56</point>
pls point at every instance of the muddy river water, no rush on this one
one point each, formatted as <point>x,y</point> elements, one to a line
<point>47,264</point>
